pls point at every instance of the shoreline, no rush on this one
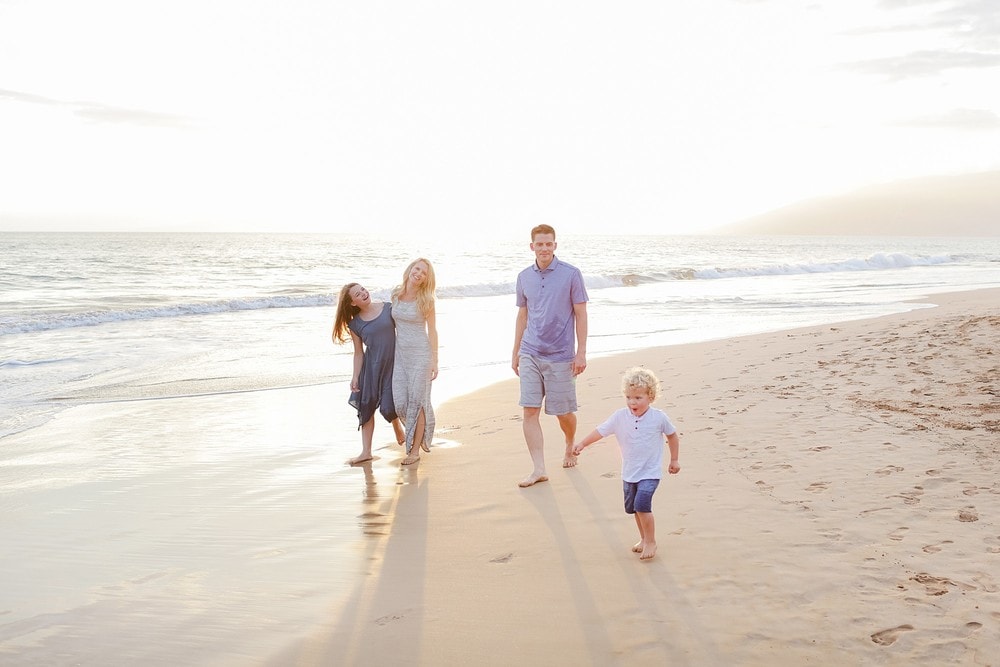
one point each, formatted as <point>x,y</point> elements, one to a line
<point>838,480</point>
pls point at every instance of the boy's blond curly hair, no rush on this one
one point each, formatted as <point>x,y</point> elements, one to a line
<point>641,378</point>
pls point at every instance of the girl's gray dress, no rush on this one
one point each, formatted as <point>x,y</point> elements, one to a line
<point>411,378</point>
<point>379,338</point>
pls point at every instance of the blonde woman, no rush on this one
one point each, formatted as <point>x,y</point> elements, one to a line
<point>416,363</point>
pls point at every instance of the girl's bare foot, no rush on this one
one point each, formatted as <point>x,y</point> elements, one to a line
<point>648,551</point>
<point>637,547</point>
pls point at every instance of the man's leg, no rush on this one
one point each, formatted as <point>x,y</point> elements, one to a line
<point>567,423</point>
<point>532,428</point>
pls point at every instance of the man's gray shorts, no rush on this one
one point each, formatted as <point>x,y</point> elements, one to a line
<point>553,380</point>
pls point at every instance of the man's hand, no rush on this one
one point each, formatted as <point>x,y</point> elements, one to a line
<point>579,363</point>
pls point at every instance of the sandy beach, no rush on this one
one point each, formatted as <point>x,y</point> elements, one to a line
<point>838,503</point>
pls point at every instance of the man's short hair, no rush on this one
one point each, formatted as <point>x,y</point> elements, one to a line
<point>542,229</point>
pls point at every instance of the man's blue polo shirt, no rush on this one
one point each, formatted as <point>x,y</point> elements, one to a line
<point>550,296</point>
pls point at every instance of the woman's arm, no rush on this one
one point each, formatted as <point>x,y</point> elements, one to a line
<point>432,337</point>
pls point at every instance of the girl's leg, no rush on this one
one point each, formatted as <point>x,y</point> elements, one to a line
<point>367,430</point>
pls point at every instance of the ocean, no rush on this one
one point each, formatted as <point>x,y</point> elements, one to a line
<point>174,425</point>
<point>105,317</point>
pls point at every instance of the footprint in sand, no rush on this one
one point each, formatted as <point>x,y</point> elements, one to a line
<point>609,474</point>
<point>934,548</point>
<point>819,448</point>
<point>763,486</point>
<point>968,514</point>
<point>888,470</point>
<point>898,534</point>
<point>818,486</point>
<point>505,558</point>
<point>889,637</point>
<point>995,548</point>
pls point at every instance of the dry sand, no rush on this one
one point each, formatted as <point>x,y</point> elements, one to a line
<point>838,504</point>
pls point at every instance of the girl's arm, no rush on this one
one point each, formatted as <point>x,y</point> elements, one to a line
<point>591,438</point>
<point>359,357</point>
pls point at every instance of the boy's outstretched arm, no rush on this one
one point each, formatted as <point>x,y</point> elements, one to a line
<point>674,441</point>
<point>590,439</point>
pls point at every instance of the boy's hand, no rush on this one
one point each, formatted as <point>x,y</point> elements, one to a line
<point>674,468</point>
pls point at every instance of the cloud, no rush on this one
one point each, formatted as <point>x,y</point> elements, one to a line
<point>957,119</point>
<point>924,63</point>
<point>973,24</point>
<point>102,113</point>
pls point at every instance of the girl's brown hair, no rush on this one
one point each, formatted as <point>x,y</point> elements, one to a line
<point>345,313</point>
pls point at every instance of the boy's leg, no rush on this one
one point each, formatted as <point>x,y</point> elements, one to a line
<point>637,547</point>
<point>644,516</point>
<point>647,531</point>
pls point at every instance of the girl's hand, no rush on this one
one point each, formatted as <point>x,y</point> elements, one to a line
<point>355,385</point>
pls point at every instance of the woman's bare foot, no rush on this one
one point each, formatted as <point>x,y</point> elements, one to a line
<point>648,551</point>
<point>400,433</point>
<point>410,460</point>
<point>360,458</point>
<point>531,480</point>
<point>423,446</point>
<point>637,547</point>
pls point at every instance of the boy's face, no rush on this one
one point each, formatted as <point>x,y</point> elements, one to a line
<point>637,400</point>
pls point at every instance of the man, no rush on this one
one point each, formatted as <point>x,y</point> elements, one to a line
<point>551,321</point>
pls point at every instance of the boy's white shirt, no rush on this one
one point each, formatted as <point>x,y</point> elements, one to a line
<point>641,440</point>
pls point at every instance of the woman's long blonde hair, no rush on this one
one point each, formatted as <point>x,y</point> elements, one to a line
<point>425,292</point>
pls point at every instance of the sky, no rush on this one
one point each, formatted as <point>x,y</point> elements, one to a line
<point>398,117</point>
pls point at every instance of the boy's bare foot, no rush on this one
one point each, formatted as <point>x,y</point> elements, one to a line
<point>531,480</point>
<point>361,458</point>
<point>637,547</point>
<point>410,460</point>
<point>569,461</point>
<point>648,551</point>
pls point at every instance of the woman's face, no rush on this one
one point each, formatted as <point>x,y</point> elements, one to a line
<point>418,273</point>
<point>359,296</point>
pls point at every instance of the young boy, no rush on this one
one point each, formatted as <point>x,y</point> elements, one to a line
<point>639,429</point>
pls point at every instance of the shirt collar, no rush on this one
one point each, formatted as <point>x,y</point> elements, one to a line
<point>551,267</point>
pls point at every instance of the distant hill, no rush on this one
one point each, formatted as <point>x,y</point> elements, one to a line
<point>964,205</point>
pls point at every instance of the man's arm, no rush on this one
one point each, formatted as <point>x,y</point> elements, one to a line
<point>519,326</point>
<point>580,314</point>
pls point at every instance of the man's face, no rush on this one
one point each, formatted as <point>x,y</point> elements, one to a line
<point>544,246</point>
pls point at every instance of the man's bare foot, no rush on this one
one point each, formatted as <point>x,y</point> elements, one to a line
<point>637,547</point>
<point>531,480</point>
<point>410,460</point>
<point>648,551</point>
<point>569,461</point>
<point>360,458</point>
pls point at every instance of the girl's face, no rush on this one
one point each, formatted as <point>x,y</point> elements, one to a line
<point>637,400</point>
<point>359,296</point>
<point>418,273</point>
